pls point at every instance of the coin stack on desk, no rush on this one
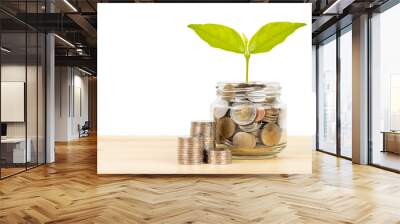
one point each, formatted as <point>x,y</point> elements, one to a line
<point>220,156</point>
<point>206,131</point>
<point>190,150</point>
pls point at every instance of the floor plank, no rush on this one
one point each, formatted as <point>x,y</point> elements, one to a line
<point>70,191</point>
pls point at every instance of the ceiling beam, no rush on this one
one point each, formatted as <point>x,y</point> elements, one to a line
<point>84,24</point>
<point>83,61</point>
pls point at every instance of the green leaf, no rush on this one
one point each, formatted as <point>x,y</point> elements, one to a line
<point>270,35</point>
<point>220,36</point>
<point>246,42</point>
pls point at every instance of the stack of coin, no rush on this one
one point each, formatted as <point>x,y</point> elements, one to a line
<point>190,150</point>
<point>220,156</point>
<point>271,115</point>
<point>206,131</point>
<point>203,129</point>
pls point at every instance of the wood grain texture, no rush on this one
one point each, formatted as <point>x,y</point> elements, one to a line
<point>158,155</point>
<point>70,191</point>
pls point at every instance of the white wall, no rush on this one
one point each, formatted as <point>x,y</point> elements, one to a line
<point>12,73</point>
<point>69,82</point>
<point>80,84</point>
<point>157,76</point>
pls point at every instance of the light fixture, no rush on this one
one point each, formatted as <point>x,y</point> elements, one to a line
<point>338,6</point>
<point>5,50</point>
<point>80,51</point>
<point>70,5</point>
<point>84,71</point>
<point>65,41</point>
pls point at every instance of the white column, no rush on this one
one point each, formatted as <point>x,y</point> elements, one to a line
<point>360,90</point>
<point>50,100</point>
<point>63,101</point>
<point>50,92</point>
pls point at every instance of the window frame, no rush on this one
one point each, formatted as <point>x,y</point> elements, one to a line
<point>334,37</point>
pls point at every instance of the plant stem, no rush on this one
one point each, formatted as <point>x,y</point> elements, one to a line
<point>247,67</point>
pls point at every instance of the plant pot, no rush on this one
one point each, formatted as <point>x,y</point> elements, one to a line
<point>250,119</point>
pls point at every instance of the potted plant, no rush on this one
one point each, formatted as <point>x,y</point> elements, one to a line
<point>250,118</point>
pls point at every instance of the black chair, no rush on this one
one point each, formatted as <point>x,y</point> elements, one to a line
<point>84,130</point>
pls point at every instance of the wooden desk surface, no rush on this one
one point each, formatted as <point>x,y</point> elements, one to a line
<point>157,155</point>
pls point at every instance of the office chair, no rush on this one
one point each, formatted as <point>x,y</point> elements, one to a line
<point>84,130</point>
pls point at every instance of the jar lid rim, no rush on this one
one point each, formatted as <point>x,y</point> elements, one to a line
<point>249,86</point>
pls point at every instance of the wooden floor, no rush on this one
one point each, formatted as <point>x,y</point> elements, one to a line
<point>69,191</point>
<point>5,172</point>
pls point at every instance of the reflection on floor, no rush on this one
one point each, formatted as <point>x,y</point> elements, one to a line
<point>387,159</point>
<point>70,191</point>
<point>8,170</point>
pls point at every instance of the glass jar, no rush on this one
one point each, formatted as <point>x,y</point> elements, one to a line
<point>250,119</point>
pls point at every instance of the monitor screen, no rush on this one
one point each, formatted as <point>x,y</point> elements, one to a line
<point>3,129</point>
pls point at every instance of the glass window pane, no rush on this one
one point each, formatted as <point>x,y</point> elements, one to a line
<point>385,83</point>
<point>327,96</point>
<point>22,90</point>
<point>346,93</point>
<point>13,86</point>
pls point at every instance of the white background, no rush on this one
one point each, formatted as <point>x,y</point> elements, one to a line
<point>155,74</point>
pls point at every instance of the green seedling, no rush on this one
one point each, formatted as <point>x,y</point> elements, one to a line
<point>264,40</point>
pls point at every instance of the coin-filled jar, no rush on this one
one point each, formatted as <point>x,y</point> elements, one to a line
<point>250,119</point>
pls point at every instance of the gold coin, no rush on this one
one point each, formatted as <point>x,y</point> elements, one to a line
<point>245,140</point>
<point>271,134</point>
<point>243,113</point>
<point>225,127</point>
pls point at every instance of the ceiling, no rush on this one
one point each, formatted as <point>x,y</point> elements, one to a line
<point>75,22</point>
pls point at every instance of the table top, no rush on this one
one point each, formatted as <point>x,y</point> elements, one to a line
<point>158,155</point>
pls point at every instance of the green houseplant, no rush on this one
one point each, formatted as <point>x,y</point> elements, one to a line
<point>264,40</point>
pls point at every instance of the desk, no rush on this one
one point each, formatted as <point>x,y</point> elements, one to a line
<point>15,148</point>
<point>391,141</point>
<point>158,155</point>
